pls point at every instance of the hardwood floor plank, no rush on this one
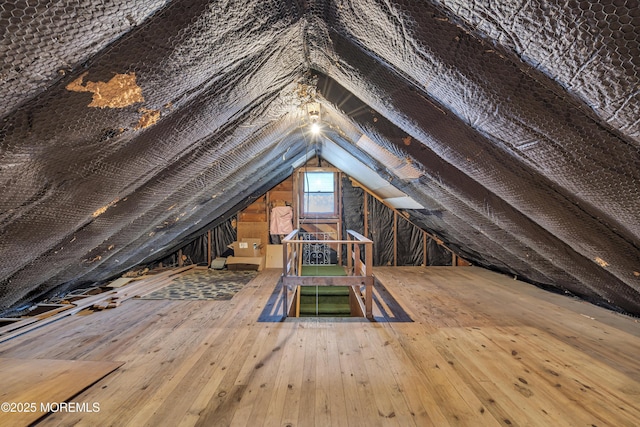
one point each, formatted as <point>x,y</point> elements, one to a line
<point>285,400</point>
<point>237,369</point>
<point>307,403</point>
<point>387,391</point>
<point>419,399</point>
<point>263,378</point>
<point>573,379</point>
<point>454,398</point>
<point>331,394</point>
<point>355,380</point>
<point>509,382</point>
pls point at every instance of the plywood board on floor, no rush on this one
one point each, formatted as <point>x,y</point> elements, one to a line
<point>32,387</point>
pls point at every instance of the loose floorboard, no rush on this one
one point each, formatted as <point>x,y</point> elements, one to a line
<point>472,348</point>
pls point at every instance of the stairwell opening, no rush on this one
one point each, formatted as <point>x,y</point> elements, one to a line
<point>326,301</point>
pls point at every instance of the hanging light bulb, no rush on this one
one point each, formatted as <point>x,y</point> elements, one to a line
<point>315,128</point>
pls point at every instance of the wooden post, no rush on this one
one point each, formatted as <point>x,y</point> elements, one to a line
<point>395,238</point>
<point>180,261</point>
<point>267,211</point>
<point>368,258</point>
<point>368,301</point>
<point>284,298</point>
<point>366,215</point>
<point>339,236</point>
<point>454,260</point>
<point>425,258</point>
<point>209,248</point>
<point>350,255</point>
<point>285,258</point>
<point>285,272</point>
<point>296,200</point>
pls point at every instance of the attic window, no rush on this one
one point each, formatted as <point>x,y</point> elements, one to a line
<point>319,189</point>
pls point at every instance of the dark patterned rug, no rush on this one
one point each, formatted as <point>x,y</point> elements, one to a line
<point>219,285</point>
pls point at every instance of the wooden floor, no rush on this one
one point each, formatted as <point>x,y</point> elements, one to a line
<point>482,350</point>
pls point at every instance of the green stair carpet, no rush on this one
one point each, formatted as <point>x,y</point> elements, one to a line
<point>332,301</point>
<point>323,270</point>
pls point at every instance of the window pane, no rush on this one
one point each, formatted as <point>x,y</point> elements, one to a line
<point>318,182</point>
<point>319,203</point>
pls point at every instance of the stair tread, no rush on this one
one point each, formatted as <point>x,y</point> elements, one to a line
<point>325,308</point>
<point>323,301</point>
<point>324,290</point>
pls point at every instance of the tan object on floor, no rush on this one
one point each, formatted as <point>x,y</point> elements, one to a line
<point>37,386</point>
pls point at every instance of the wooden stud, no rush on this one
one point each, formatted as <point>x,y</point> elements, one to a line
<point>285,307</point>
<point>395,238</point>
<point>209,248</point>
<point>425,258</point>
<point>267,209</point>
<point>366,215</point>
<point>368,297</point>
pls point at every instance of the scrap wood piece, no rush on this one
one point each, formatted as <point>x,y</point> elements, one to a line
<point>35,317</point>
<point>112,302</point>
<point>136,273</point>
<point>85,312</point>
<point>123,293</point>
<point>119,282</point>
<point>43,310</point>
<point>17,325</point>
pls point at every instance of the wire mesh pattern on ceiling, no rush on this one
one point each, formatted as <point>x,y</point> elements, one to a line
<point>129,127</point>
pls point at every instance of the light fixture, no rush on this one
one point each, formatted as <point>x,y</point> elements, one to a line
<point>313,113</point>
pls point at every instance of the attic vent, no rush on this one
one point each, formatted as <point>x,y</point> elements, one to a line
<point>401,167</point>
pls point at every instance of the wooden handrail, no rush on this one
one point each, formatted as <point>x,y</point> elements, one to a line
<point>358,236</point>
<point>327,241</point>
<point>359,239</point>
<point>290,235</point>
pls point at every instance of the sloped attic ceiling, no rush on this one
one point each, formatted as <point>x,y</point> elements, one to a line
<point>128,127</point>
